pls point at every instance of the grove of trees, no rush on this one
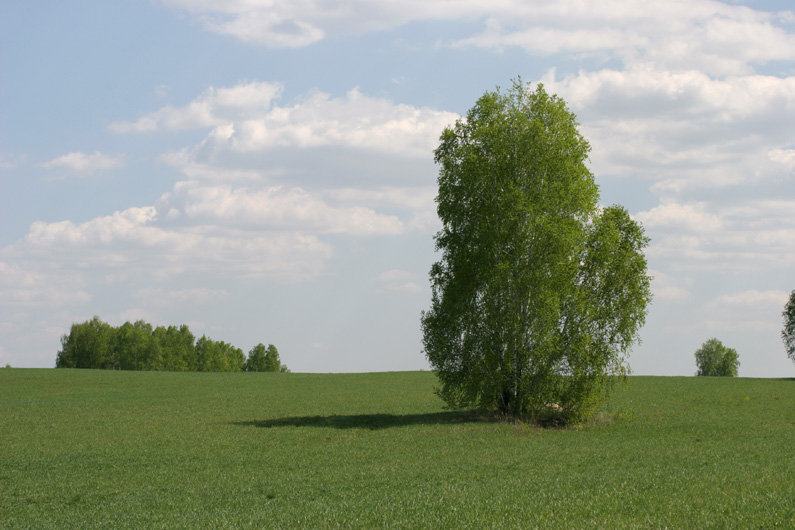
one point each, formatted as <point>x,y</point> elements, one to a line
<point>715,359</point>
<point>139,346</point>
<point>540,292</point>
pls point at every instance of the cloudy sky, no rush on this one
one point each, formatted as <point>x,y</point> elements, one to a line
<point>262,170</point>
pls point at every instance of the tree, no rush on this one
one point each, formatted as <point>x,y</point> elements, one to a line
<point>788,333</point>
<point>261,359</point>
<point>86,346</point>
<point>176,345</point>
<point>272,362</point>
<point>256,359</point>
<point>539,294</point>
<point>218,356</point>
<point>715,359</point>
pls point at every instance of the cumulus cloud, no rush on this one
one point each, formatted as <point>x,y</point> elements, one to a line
<point>8,161</point>
<point>398,281</point>
<point>752,299</point>
<point>136,243</point>
<point>355,120</point>
<point>82,163</point>
<point>667,287</point>
<point>304,22</point>
<point>25,287</point>
<point>748,311</point>
<point>245,118</point>
<point>690,217</point>
<point>275,208</point>
<point>185,160</point>
<point>157,296</point>
<point>214,107</point>
<point>752,236</point>
<point>256,140</point>
<point>413,198</point>
<point>396,275</point>
<point>713,36</point>
<point>682,130</point>
<point>419,201</point>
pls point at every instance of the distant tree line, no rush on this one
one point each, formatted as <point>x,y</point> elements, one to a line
<point>139,346</point>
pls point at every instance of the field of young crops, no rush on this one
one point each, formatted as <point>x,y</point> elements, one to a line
<point>104,449</point>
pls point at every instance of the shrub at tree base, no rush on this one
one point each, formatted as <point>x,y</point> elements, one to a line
<point>715,359</point>
<point>539,293</point>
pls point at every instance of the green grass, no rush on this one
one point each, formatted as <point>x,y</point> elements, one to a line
<point>101,449</point>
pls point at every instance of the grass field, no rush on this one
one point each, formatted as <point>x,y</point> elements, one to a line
<point>102,449</point>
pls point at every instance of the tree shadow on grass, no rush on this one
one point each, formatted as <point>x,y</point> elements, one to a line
<point>368,421</point>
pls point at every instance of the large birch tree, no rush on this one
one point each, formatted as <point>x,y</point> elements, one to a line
<point>539,293</point>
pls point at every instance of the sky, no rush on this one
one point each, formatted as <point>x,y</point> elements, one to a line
<point>262,170</point>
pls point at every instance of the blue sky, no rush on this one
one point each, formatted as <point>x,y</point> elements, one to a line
<point>263,170</point>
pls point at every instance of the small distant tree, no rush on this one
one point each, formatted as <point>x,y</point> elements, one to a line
<point>715,359</point>
<point>256,359</point>
<point>272,362</point>
<point>218,356</point>
<point>86,346</point>
<point>788,333</point>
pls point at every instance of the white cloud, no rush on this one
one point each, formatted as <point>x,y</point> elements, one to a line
<point>82,163</point>
<point>243,118</point>
<point>753,236</point>
<point>752,300</point>
<point>784,159</point>
<point>681,34</point>
<point>396,275</point>
<point>398,281</point>
<point>8,161</point>
<point>355,121</point>
<point>751,311</point>
<point>690,217</point>
<point>130,315</point>
<point>682,130</point>
<point>418,201</point>
<point>256,140</point>
<point>411,198</point>
<point>132,244</point>
<point>705,34</point>
<point>666,287</point>
<point>215,107</point>
<point>25,286</point>
<point>156,296</point>
<point>400,287</point>
<point>275,208</point>
<point>677,94</point>
<point>186,162</point>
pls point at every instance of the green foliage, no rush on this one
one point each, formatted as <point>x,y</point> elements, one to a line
<point>539,294</point>
<point>177,345</point>
<point>261,359</point>
<point>256,359</point>
<point>95,344</point>
<point>218,356</point>
<point>788,333</point>
<point>272,362</point>
<point>86,346</point>
<point>124,450</point>
<point>715,359</point>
